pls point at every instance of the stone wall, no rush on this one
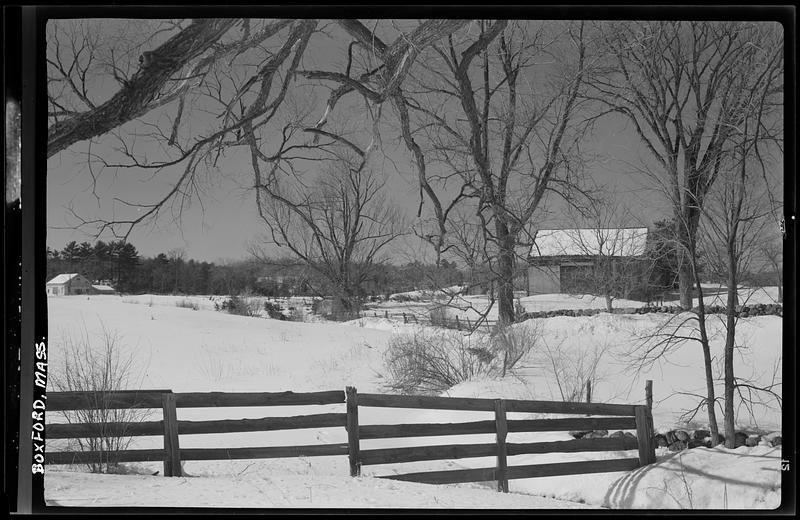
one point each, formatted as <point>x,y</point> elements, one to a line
<point>678,440</point>
<point>743,311</point>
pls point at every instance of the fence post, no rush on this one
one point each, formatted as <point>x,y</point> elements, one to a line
<point>404,318</point>
<point>501,427</point>
<point>352,431</point>
<point>387,314</point>
<point>648,391</point>
<point>469,325</point>
<point>458,325</point>
<point>588,390</point>
<point>644,436</point>
<point>172,462</point>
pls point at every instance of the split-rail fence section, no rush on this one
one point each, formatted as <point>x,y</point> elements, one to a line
<point>587,416</point>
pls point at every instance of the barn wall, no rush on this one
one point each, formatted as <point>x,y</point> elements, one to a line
<point>544,279</point>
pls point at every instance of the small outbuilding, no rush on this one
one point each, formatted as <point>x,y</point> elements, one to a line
<point>69,284</point>
<point>569,261</point>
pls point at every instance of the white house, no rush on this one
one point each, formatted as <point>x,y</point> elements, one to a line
<point>67,284</point>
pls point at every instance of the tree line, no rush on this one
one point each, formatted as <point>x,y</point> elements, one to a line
<point>120,265</point>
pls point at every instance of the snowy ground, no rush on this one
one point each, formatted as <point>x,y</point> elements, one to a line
<point>205,350</point>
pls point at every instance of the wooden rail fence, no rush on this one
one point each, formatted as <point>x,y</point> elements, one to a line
<point>589,416</point>
<point>455,322</point>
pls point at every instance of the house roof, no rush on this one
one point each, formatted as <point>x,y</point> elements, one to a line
<point>62,279</point>
<point>590,242</point>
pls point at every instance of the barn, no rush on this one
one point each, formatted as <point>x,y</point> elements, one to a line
<point>68,284</point>
<point>568,260</point>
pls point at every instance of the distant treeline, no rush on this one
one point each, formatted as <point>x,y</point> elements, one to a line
<point>120,265</point>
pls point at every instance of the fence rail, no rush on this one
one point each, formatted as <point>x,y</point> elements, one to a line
<point>612,416</point>
<point>441,321</point>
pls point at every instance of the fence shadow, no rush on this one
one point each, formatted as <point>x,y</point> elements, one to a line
<point>622,492</point>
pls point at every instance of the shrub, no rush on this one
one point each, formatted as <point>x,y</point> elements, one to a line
<point>297,314</point>
<point>510,344</point>
<point>274,311</point>
<point>429,363</point>
<point>98,371</point>
<point>571,370</point>
<point>239,305</point>
<point>187,304</point>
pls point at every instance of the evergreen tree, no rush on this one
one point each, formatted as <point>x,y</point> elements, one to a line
<point>71,256</point>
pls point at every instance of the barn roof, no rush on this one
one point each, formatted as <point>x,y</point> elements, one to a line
<point>62,279</point>
<point>590,242</point>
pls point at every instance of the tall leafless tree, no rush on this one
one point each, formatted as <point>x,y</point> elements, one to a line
<point>734,77</point>
<point>684,87</point>
<point>737,215</point>
<point>497,115</point>
<point>772,251</point>
<point>338,224</point>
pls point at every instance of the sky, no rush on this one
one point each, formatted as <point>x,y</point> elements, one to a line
<point>224,223</point>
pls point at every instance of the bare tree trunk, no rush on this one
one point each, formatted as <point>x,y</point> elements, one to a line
<point>609,303</point>
<point>505,274</point>
<point>730,340</point>
<point>701,320</point>
<point>685,284</point>
<point>686,261</point>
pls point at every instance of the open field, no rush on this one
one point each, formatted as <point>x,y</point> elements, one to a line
<point>201,350</point>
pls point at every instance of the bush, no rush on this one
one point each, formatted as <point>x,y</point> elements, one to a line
<point>239,305</point>
<point>510,344</point>
<point>572,369</point>
<point>429,363</point>
<point>99,371</point>
<point>187,304</point>
<point>274,311</point>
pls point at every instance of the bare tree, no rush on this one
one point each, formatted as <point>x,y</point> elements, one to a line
<point>772,251</point>
<point>339,226</point>
<point>608,237</point>
<point>498,117</point>
<point>739,212</point>
<point>684,86</point>
<point>176,256</point>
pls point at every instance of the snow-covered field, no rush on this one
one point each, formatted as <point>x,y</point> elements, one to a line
<point>204,350</point>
